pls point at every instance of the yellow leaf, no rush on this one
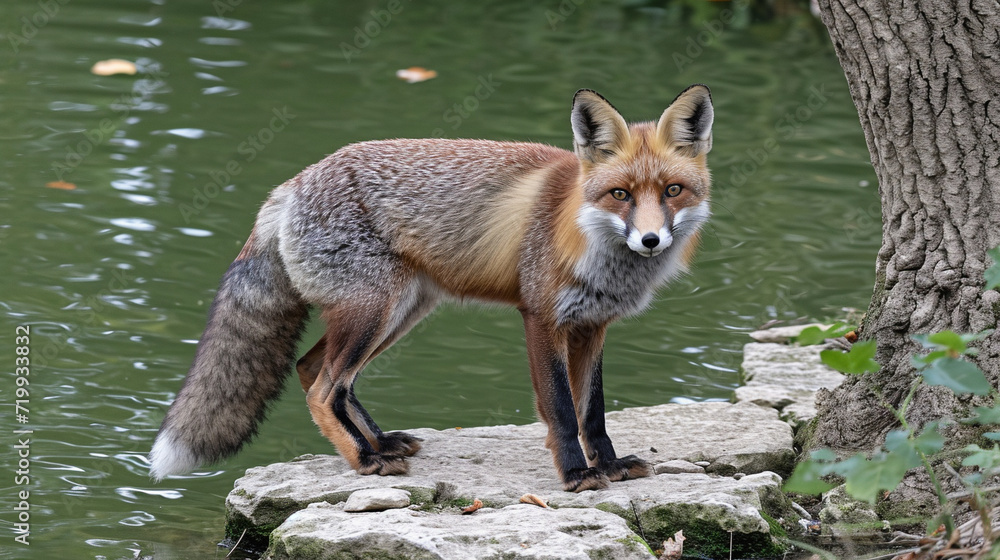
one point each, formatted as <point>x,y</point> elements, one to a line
<point>534,500</point>
<point>415,74</point>
<point>113,66</point>
<point>60,185</point>
<point>476,505</point>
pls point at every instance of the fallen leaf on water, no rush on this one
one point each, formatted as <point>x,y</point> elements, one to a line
<point>533,499</point>
<point>673,548</point>
<point>113,66</point>
<point>415,74</point>
<point>476,504</point>
<point>60,185</point>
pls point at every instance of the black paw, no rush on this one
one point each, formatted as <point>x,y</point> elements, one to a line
<point>398,444</point>
<point>382,465</point>
<point>625,468</point>
<point>578,480</point>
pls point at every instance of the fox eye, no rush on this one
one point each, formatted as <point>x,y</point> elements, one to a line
<point>674,190</point>
<point>620,194</point>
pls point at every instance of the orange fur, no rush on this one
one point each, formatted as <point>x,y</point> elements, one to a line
<point>492,269</point>
<point>568,241</point>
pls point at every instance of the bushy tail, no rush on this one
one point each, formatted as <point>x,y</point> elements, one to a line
<point>242,361</point>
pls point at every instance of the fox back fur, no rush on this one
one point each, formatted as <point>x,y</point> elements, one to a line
<point>378,233</point>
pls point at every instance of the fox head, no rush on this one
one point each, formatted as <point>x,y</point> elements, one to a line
<point>644,185</point>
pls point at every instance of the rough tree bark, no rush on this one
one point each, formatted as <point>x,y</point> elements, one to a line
<point>925,78</point>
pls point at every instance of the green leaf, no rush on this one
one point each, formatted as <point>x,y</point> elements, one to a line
<point>866,478</point>
<point>972,337</point>
<point>920,362</point>
<point>992,273</point>
<point>903,448</point>
<point>958,375</point>
<point>930,441</point>
<point>985,459</point>
<point>810,336</point>
<point>897,440</point>
<point>815,335</point>
<point>984,415</point>
<point>807,478</point>
<point>857,361</point>
<point>995,436</point>
<point>944,340</point>
<point>946,344</point>
<point>823,455</point>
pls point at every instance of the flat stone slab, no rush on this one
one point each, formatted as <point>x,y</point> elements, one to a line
<point>519,531</point>
<point>677,466</point>
<point>377,499</point>
<point>499,464</point>
<point>785,378</point>
<point>782,335</point>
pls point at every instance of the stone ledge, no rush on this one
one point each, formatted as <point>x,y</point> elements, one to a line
<point>785,378</point>
<point>517,531</point>
<point>501,463</point>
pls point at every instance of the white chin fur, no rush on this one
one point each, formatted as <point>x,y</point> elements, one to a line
<point>169,456</point>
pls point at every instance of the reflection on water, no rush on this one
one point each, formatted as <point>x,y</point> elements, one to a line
<point>170,165</point>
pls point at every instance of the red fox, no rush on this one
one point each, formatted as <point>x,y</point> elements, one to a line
<point>378,233</point>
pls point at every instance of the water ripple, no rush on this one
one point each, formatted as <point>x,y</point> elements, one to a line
<point>228,24</point>
<point>202,63</point>
<point>135,224</point>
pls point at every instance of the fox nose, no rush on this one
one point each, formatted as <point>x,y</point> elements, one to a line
<point>650,240</point>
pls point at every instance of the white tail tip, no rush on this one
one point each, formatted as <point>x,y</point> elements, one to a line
<point>170,456</point>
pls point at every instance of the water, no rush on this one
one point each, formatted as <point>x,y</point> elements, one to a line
<point>114,277</point>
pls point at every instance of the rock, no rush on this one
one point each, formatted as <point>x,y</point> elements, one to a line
<point>678,466</point>
<point>844,515</point>
<point>377,499</point>
<point>782,335</point>
<point>785,378</point>
<point>499,464</point>
<point>518,531</point>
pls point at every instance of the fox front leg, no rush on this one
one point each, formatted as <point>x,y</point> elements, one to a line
<point>586,348</point>
<point>547,358</point>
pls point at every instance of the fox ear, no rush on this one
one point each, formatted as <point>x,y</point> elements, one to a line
<point>598,129</point>
<point>687,123</point>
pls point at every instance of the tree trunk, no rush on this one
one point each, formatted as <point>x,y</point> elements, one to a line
<point>925,78</point>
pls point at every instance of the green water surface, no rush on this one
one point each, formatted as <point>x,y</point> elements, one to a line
<point>232,97</point>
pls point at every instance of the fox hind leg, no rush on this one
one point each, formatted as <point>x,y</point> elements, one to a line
<point>310,365</point>
<point>419,298</point>
<point>400,444</point>
<point>356,335</point>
